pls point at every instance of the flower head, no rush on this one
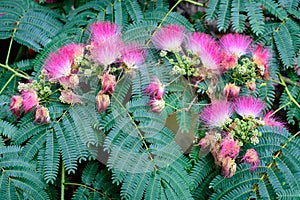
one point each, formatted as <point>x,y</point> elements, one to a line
<point>228,167</point>
<point>248,106</point>
<point>251,157</point>
<point>216,114</point>
<point>261,58</point>
<point>67,96</point>
<point>103,31</point>
<point>133,56</point>
<point>229,148</point>
<point>62,63</point>
<point>169,38</point>
<point>30,99</point>
<point>236,44</point>
<point>155,89</point>
<point>15,105</point>
<point>157,105</point>
<point>42,115</point>
<point>228,61</point>
<point>108,83</point>
<point>231,90</point>
<point>269,120</point>
<point>102,101</point>
<point>206,48</point>
<point>107,52</point>
<point>70,81</point>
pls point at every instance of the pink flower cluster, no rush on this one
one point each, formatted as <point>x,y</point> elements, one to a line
<point>156,91</point>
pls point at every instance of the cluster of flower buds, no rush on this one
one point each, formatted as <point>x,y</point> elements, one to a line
<point>108,83</point>
<point>227,135</point>
<point>155,91</point>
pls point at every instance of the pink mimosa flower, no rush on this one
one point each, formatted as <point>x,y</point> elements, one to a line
<point>102,101</point>
<point>228,61</point>
<point>236,44</point>
<point>103,31</point>
<point>228,167</point>
<point>229,148</point>
<point>216,114</point>
<point>169,38</point>
<point>106,52</point>
<point>133,56</point>
<point>251,157</point>
<point>155,89</point>
<point>67,96</point>
<point>248,106</point>
<point>231,90</point>
<point>70,81</point>
<point>42,115</point>
<point>61,63</point>
<point>157,105</point>
<point>30,99</point>
<point>207,49</point>
<point>108,83</point>
<point>269,120</point>
<point>15,105</point>
<point>261,57</point>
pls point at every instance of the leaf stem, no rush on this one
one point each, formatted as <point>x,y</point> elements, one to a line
<point>194,2</point>
<point>14,71</point>
<point>168,13</point>
<point>7,82</point>
<point>288,103</point>
<point>288,92</point>
<point>10,44</point>
<point>85,186</point>
<point>62,183</point>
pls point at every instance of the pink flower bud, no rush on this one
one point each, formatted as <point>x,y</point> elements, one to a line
<point>231,90</point>
<point>42,115</point>
<point>251,86</point>
<point>30,99</point>
<point>71,81</point>
<point>229,148</point>
<point>157,105</point>
<point>15,105</point>
<point>155,89</point>
<point>251,157</point>
<point>102,102</point>
<point>108,82</point>
<point>67,96</point>
<point>228,167</point>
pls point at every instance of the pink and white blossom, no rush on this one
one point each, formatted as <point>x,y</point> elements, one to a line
<point>206,48</point>
<point>67,96</point>
<point>157,105</point>
<point>16,104</point>
<point>229,148</point>
<point>169,38</point>
<point>133,56</point>
<point>251,157</point>
<point>103,31</point>
<point>228,167</point>
<point>270,120</point>
<point>42,115</point>
<point>216,114</point>
<point>261,57</point>
<point>30,99</point>
<point>248,106</point>
<point>108,83</point>
<point>102,101</point>
<point>231,90</point>
<point>236,44</point>
<point>155,90</point>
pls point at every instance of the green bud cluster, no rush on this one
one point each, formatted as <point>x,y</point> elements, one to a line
<point>245,71</point>
<point>245,130</point>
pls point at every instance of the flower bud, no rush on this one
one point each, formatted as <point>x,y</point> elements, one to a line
<point>157,105</point>
<point>42,115</point>
<point>67,96</point>
<point>228,167</point>
<point>15,105</point>
<point>102,101</point>
<point>231,90</point>
<point>251,157</point>
<point>70,81</point>
<point>251,86</point>
<point>155,89</point>
<point>30,99</point>
<point>108,82</point>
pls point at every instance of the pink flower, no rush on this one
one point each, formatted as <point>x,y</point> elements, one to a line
<point>67,96</point>
<point>15,105</point>
<point>107,52</point>
<point>229,148</point>
<point>61,63</point>
<point>155,89</point>
<point>251,157</point>
<point>228,167</point>
<point>102,101</point>
<point>216,114</point>
<point>231,90</point>
<point>42,115</point>
<point>228,61</point>
<point>30,99</point>
<point>157,105</point>
<point>207,49</point>
<point>108,83</point>
<point>132,56</point>
<point>261,57</point>
<point>236,44</point>
<point>269,120</point>
<point>169,38</point>
<point>103,31</point>
<point>248,106</point>
<point>70,81</point>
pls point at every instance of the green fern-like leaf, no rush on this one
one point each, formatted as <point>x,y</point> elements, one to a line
<point>134,10</point>
<point>224,15</point>
<point>256,17</point>
<point>238,18</point>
